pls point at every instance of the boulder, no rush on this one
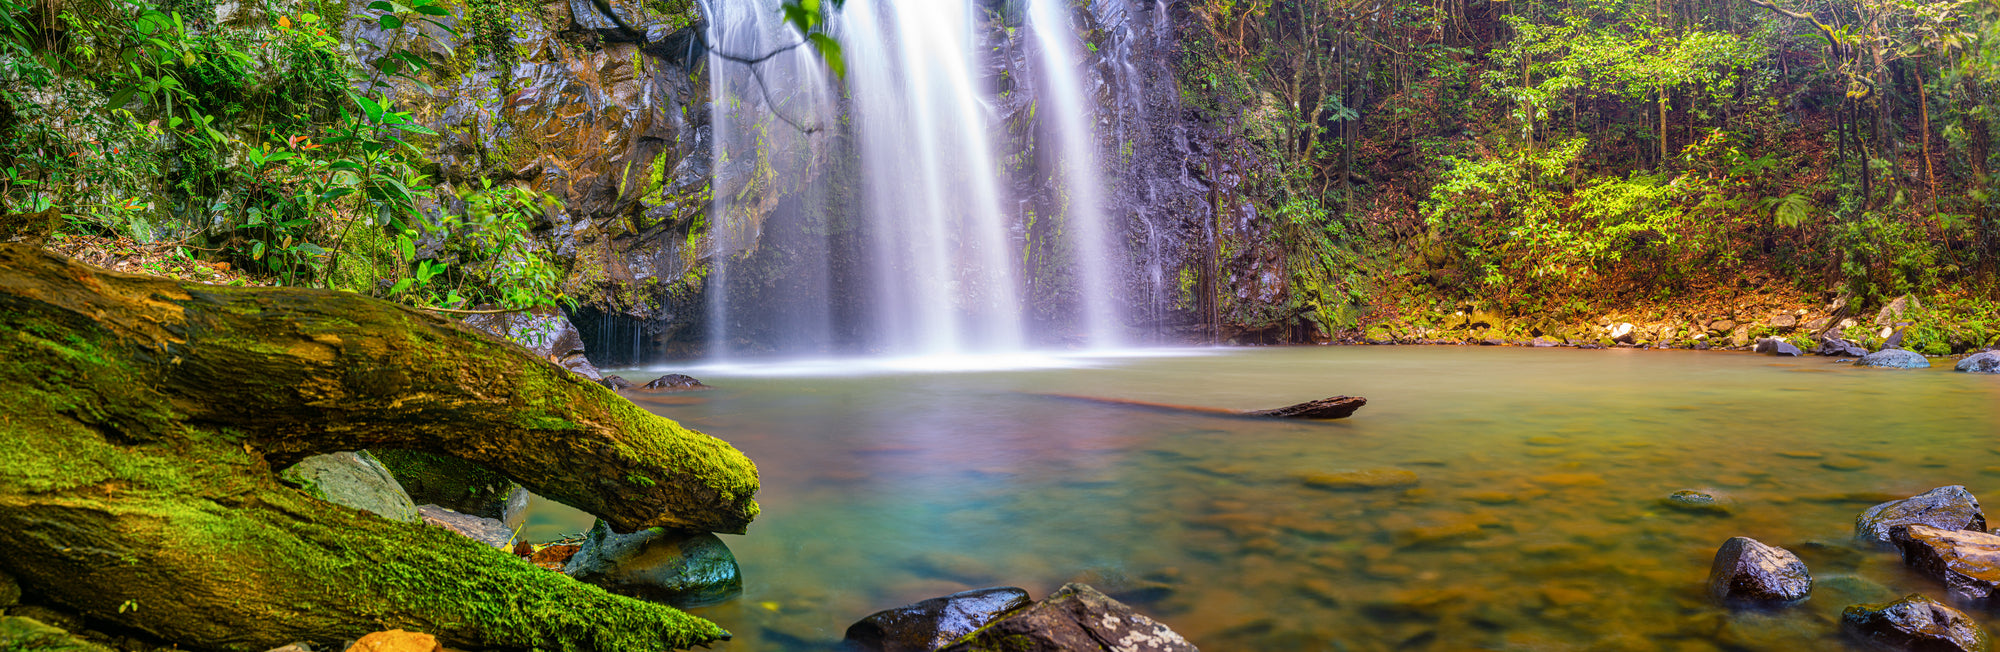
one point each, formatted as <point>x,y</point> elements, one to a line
<point>544,332</point>
<point>1985,362</point>
<point>1721,326</point>
<point>354,479</point>
<point>449,482</point>
<point>488,531</point>
<point>1946,508</point>
<point>1894,359</point>
<point>30,635</point>
<point>1914,623</point>
<point>675,382</point>
<point>1834,346</point>
<point>1748,571</point>
<point>1968,562</point>
<point>1076,617</point>
<point>1890,314</point>
<point>1784,321</point>
<point>1777,346</point>
<point>933,623</point>
<point>683,569</point>
<point>615,383</point>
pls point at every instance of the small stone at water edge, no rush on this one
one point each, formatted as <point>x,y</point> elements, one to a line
<point>1697,502</point>
<point>1894,359</point>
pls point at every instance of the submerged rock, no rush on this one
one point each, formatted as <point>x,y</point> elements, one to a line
<point>1362,479</point>
<point>1968,562</point>
<point>615,383</point>
<point>1914,623</point>
<point>1777,346</point>
<point>933,623</point>
<point>1748,571</point>
<point>354,479</point>
<point>683,569</point>
<point>1947,508</point>
<point>1696,502</point>
<point>1984,362</point>
<point>1076,617</point>
<point>1894,359</point>
<point>489,531</point>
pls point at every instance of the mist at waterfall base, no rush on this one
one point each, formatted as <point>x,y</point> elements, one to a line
<point>904,211</point>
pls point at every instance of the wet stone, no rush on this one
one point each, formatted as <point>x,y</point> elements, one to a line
<point>1748,571</point>
<point>1894,359</point>
<point>933,623</point>
<point>1967,562</point>
<point>490,531</point>
<point>615,383</point>
<point>683,569</point>
<point>1946,508</point>
<point>1696,502</point>
<point>675,382</point>
<point>1986,362</point>
<point>1914,623</point>
<point>1075,617</point>
<point>1361,480</point>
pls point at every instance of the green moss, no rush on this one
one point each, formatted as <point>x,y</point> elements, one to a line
<point>366,260</point>
<point>446,481</point>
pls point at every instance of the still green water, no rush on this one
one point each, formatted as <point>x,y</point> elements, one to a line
<point>1537,523</point>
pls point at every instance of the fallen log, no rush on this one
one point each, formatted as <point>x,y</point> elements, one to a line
<point>142,421</point>
<point>1332,407</point>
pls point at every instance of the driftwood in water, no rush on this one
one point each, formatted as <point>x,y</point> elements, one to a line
<point>142,421</point>
<point>1332,407</point>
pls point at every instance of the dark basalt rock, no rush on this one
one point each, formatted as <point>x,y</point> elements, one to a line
<point>1914,623</point>
<point>683,569</point>
<point>1968,562</point>
<point>1747,571</point>
<point>1334,407</point>
<point>933,623</point>
<point>675,381</point>
<point>1834,346</point>
<point>1985,362</point>
<point>1946,508</point>
<point>1894,359</point>
<point>1074,618</point>
<point>615,383</point>
<point>1777,346</point>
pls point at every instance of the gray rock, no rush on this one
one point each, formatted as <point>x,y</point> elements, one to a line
<point>1894,359</point>
<point>1968,562</point>
<point>1834,346</point>
<point>545,332</point>
<point>615,382</point>
<point>1747,571</point>
<point>1948,508</point>
<point>1893,312</point>
<point>933,623</point>
<point>1075,617</point>
<point>683,569</point>
<point>1914,623</point>
<point>1696,502</point>
<point>1777,346</point>
<point>675,382</point>
<point>489,531</point>
<point>1784,321</point>
<point>1986,362</point>
<point>354,479</point>
<point>1542,342</point>
<point>1624,333</point>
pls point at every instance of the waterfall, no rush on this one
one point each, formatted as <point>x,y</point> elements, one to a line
<point>865,214</point>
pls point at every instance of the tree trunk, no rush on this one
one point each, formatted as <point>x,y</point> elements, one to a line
<point>145,417</point>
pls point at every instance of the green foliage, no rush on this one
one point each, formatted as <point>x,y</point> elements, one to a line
<point>487,257</point>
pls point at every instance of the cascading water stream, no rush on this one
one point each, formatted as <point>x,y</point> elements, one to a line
<point>930,263</point>
<point>1090,244</point>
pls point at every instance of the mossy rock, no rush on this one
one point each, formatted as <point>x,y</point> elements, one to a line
<point>19,634</point>
<point>448,482</point>
<point>353,479</point>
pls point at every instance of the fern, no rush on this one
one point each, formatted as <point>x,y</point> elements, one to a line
<point>1790,210</point>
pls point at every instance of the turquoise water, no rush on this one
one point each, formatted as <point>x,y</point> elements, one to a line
<point>1536,524</point>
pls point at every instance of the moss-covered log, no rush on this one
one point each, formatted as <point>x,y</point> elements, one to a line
<point>142,419</point>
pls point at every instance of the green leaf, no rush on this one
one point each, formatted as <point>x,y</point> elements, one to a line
<point>381,5</point>
<point>390,21</point>
<point>429,9</point>
<point>121,98</point>
<point>402,285</point>
<point>829,50</point>
<point>257,250</point>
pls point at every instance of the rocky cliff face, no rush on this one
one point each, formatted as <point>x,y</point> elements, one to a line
<point>606,106</point>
